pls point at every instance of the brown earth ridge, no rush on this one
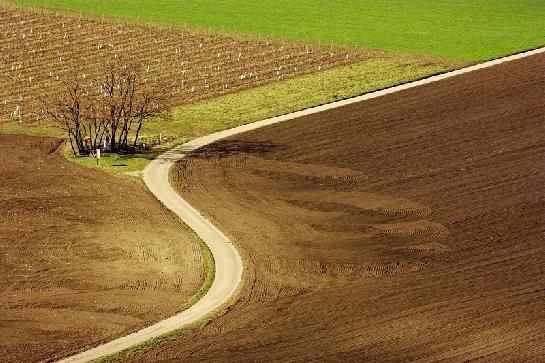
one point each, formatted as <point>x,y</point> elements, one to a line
<point>408,227</point>
<point>84,257</point>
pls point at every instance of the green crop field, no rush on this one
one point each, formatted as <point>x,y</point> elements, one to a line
<point>470,30</point>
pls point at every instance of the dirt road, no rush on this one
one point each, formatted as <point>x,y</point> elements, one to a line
<point>405,227</point>
<point>84,257</point>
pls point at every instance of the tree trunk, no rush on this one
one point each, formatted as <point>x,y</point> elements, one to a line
<point>120,140</point>
<point>137,132</point>
<point>112,140</point>
<point>71,143</point>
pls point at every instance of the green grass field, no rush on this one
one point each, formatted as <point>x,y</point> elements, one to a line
<point>458,29</point>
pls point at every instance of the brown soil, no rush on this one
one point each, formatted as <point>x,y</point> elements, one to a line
<point>84,257</point>
<point>401,228</point>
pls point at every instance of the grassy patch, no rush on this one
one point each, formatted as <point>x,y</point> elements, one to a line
<point>280,98</point>
<point>210,273</point>
<point>148,345</point>
<point>43,129</point>
<point>120,164</point>
<point>462,29</point>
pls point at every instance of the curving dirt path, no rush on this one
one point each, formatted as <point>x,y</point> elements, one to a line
<point>228,264</point>
<point>227,259</point>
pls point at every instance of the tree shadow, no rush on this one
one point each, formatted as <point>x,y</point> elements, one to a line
<point>225,148</point>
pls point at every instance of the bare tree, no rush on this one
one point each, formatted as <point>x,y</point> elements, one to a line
<point>68,112</point>
<point>131,99</point>
<point>113,105</point>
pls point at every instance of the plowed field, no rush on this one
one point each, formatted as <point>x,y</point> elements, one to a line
<point>84,257</point>
<point>401,228</point>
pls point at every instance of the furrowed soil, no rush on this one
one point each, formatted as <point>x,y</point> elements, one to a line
<point>401,228</point>
<point>84,257</point>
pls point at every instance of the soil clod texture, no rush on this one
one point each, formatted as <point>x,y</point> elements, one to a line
<point>402,228</point>
<point>84,257</point>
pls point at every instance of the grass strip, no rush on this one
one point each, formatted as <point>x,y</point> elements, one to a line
<point>150,344</point>
<point>210,272</point>
<point>276,99</point>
